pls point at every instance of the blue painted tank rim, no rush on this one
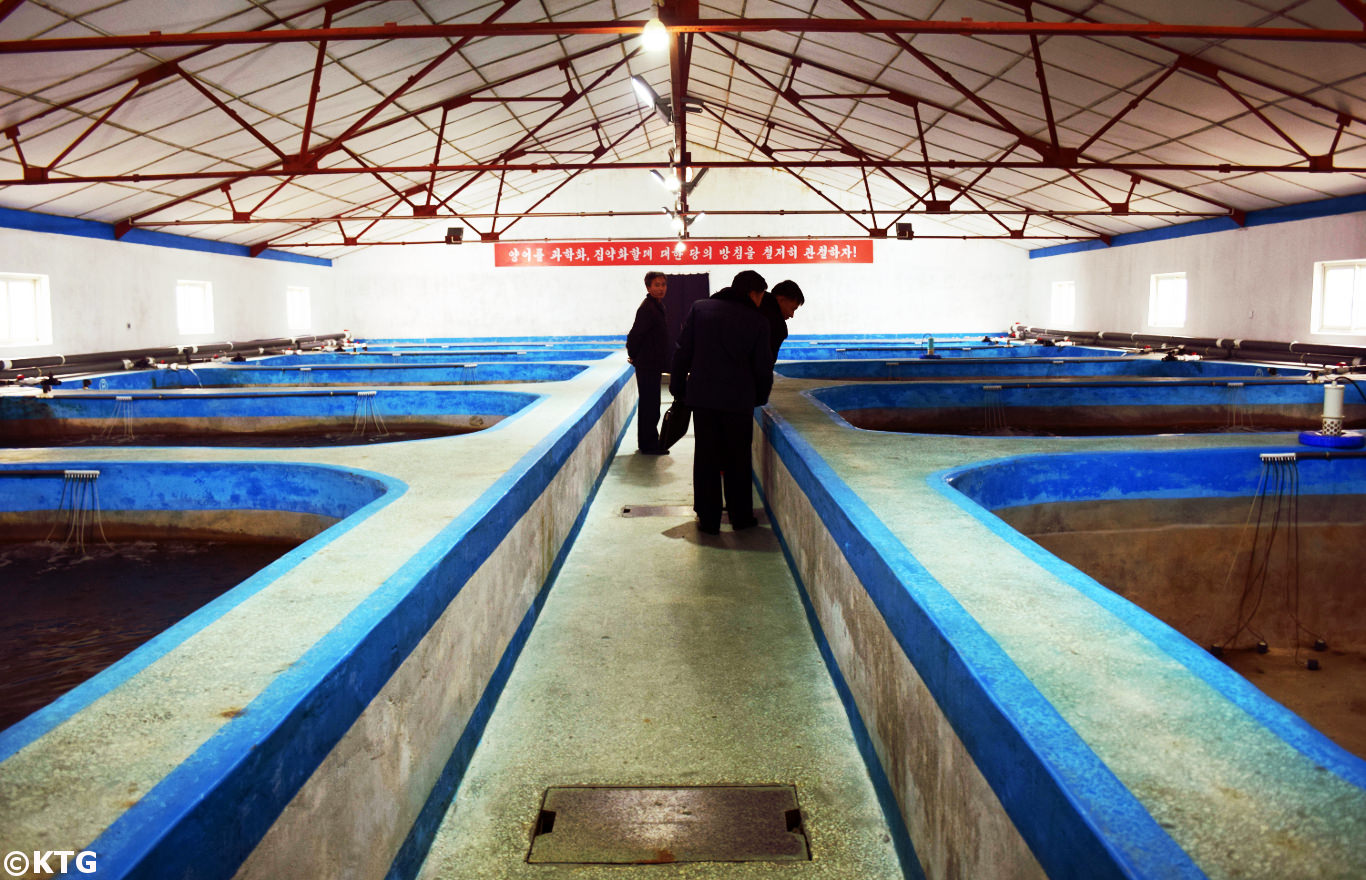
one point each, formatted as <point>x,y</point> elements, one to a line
<point>44,720</point>
<point>1279,720</point>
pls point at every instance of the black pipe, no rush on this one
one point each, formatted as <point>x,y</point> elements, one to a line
<point>1331,453</point>
<point>143,357</point>
<point>1230,347</point>
<point>56,472</point>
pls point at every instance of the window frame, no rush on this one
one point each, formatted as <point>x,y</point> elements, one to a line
<point>1357,325</point>
<point>40,323</point>
<point>1155,305</point>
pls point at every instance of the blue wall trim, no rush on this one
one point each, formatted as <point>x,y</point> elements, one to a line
<point>1284,214</point>
<point>225,796</point>
<point>57,225</point>
<point>1078,819</point>
<point>886,797</point>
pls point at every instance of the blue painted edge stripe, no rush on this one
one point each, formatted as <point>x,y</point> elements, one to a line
<point>408,861</point>
<point>1283,214</point>
<point>1079,820</point>
<point>882,786</point>
<point>44,720</point>
<point>1276,718</point>
<point>53,224</point>
<point>214,802</point>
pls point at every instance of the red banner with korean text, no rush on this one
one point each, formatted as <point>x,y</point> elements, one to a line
<point>654,254</point>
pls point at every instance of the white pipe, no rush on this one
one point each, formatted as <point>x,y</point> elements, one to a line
<point>1332,400</point>
<point>1332,409</point>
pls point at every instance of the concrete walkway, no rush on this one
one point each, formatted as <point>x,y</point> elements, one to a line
<point>665,657</point>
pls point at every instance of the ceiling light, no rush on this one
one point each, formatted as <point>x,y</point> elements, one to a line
<point>668,181</point>
<point>648,97</point>
<point>655,36</point>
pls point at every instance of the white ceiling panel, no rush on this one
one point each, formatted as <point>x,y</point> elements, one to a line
<point>989,81</point>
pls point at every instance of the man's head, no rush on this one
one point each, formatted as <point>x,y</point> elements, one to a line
<point>749,283</point>
<point>656,284</point>
<point>789,297</point>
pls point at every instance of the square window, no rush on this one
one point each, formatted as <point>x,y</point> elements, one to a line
<point>1339,301</point>
<point>194,307</point>
<point>1167,300</point>
<point>25,310</point>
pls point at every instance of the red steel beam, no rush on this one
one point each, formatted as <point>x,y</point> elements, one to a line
<point>912,164</point>
<point>1356,7</point>
<point>232,114</point>
<point>967,28</point>
<point>271,168</point>
<point>352,242</point>
<point>1052,158</point>
<point>8,6</point>
<point>766,212</point>
<point>944,75</point>
<point>568,101</point>
<point>314,88</point>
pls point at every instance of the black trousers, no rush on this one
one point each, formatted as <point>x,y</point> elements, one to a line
<point>721,461</point>
<point>647,417</point>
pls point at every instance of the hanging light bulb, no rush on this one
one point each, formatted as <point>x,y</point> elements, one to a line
<point>655,36</point>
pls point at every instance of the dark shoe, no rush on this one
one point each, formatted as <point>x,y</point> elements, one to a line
<point>654,452</point>
<point>744,523</point>
<point>709,528</point>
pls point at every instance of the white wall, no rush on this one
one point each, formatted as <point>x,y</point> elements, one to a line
<point>112,296</point>
<point>455,290</point>
<point>1252,283</point>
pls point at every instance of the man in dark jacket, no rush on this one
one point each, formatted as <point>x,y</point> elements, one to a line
<point>647,348</point>
<point>723,369</point>
<point>778,306</point>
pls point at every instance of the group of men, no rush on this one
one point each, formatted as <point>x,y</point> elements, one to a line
<point>721,369</point>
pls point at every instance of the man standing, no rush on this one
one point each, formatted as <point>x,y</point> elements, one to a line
<point>722,369</point>
<point>778,306</point>
<point>647,348</point>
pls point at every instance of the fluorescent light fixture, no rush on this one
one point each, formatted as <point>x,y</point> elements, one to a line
<point>668,181</point>
<point>655,36</point>
<point>648,96</point>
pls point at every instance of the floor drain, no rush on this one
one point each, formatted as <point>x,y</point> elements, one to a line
<point>656,510</point>
<point>631,825</point>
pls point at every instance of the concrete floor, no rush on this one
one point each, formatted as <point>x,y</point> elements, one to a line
<point>665,657</point>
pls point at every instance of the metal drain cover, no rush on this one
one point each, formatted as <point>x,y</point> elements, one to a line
<point>656,510</point>
<point>708,823</point>
<point>676,510</point>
